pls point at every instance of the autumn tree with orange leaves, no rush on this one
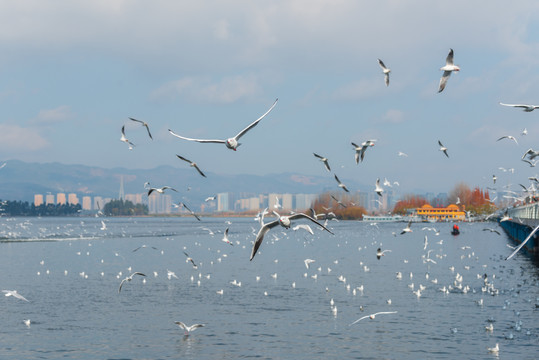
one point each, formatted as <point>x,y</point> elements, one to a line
<point>409,201</point>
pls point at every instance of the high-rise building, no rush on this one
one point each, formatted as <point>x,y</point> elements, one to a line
<point>49,199</point>
<point>304,201</point>
<point>159,203</point>
<point>98,203</point>
<point>61,199</point>
<point>287,201</point>
<point>38,199</point>
<point>224,202</point>
<point>72,199</point>
<point>86,203</point>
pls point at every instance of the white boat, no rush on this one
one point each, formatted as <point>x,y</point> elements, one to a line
<point>383,218</point>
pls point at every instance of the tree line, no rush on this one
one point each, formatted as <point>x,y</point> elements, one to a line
<point>24,208</point>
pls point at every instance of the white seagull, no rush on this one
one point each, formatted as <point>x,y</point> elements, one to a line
<point>192,164</point>
<point>324,160</point>
<point>360,150</point>
<point>225,238</point>
<point>125,140</point>
<point>190,211</point>
<point>508,137</point>
<point>372,316</point>
<point>448,69</point>
<point>284,221</point>
<point>129,278</point>
<point>378,189</point>
<point>145,124</point>
<point>15,294</point>
<point>304,227</point>
<point>160,190</point>
<point>188,329</point>
<point>525,107</point>
<point>308,262</point>
<point>341,185</point>
<point>443,148</point>
<point>407,229</point>
<point>231,143</point>
<point>385,70</point>
<point>380,253</point>
<point>195,266</point>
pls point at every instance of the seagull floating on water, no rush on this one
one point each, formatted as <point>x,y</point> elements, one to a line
<point>231,143</point>
<point>448,69</point>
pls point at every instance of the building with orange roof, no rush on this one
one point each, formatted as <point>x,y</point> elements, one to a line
<point>450,213</point>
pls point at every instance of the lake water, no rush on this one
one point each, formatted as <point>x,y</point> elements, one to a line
<point>69,270</point>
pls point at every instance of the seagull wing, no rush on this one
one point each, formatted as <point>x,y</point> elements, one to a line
<point>449,59</point>
<point>443,80</point>
<point>358,320</point>
<point>143,124</point>
<point>180,324</point>
<point>197,140</point>
<point>199,171</point>
<point>254,123</point>
<point>305,216</point>
<point>523,243</point>
<point>260,236</point>
<point>121,284</point>
<point>184,159</point>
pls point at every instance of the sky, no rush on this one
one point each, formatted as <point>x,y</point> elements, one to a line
<point>73,72</point>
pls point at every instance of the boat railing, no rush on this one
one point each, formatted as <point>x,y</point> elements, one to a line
<point>529,211</point>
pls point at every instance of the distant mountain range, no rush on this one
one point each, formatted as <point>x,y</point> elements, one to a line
<point>20,181</point>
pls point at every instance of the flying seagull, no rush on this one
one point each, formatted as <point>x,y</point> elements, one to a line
<point>508,137</point>
<point>190,211</point>
<point>341,185</point>
<point>407,229</point>
<point>160,190</point>
<point>380,253</point>
<point>525,107</point>
<point>144,246</point>
<point>378,189</point>
<point>448,69</point>
<point>372,316</point>
<point>231,143</point>
<point>443,148</point>
<point>125,140</point>
<point>360,150</point>
<point>129,278</point>
<point>225,238</point>
<point>492,230</point>
<point>188,329</point>
<point>145,124</point>
<point>15,294</point>
<point>193,164</point>
<point>324,160</point>
<point>284,221</point>
<point>190,259</point>
<point>385,70</point>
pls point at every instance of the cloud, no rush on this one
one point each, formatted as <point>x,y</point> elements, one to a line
<point>51,116</point>
<point>393,116</point>
<point>227,90</point>
<point>16,138</point>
